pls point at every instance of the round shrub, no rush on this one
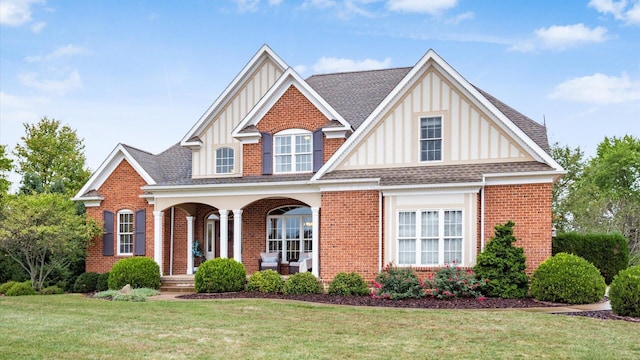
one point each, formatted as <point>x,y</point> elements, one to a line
<point>103,282</point>
<point>139,272</point>
<point>302,284</point>
<point>266,281</point>
<point>19,289</point>
<point>86,283</point>
<point>624,292</point>
<point>6,286</point>
<point>220,275</point>
<point>348,284</point>
<point>569,279</point>
<point>398,283</point>
<point>51,290</point>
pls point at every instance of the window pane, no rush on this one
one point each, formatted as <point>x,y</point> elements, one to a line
<point>430,224</point>
<point>453,223</point>
<point>304,163</point>
<point>429,252</point>
<point>453,250</point>
<point>224,160</point>
<point>293,227</point>
<point>431,139</point>
<point>303,144</point>
<point>283,163</point>
<point>283,145</point>
<point>406,251</point>
<point>407,224</point>
<point>125,232</point>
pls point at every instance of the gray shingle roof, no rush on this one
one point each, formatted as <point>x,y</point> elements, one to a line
<point>170,165</point>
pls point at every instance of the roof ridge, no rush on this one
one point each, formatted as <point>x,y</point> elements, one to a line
<point>137,149</point>
<point>359,71</point>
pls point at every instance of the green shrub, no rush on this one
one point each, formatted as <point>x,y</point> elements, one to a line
<point>51,290</point>
<point>20,289</point>
<point>452,282</point>
<point>348,284</point>
<point>139,272</point>
<point>624,292</point>
<point>10,270</point>
<point>569,279</point>
<point>106,294</point>
<point>103,282</point>
<point>503,264</point>
<point>302,284</point>
<point>129,297</point>
<point>6,286</point>
<point>608,252</point>
<point>398,283</point>
<point>220,275</point>
<point>266,281</point>
<point>86,283</point>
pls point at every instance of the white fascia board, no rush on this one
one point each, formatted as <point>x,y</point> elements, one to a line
<point>288,78</point>
<point>520,178</point>
<point>298,187</point>
<point>106,168</point>
<point>468,188</point>
<point>217,187</point>
<point>264,52</point>
<point>404,84</point>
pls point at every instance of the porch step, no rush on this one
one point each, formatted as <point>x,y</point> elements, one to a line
<point>177,283</point>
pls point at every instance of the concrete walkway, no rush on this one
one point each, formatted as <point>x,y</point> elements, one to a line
<point>173,296</point>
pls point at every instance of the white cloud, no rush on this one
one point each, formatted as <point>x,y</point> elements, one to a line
<point>253,5</point>
<point>344,9</point>
<point>318,4</point>
<point>461,17</point>
<point>619,10</point>
<point>68,50</point>
<point>332,65</point>
<point>421,6</point>
<point>599,89</point>
<point>16,12</point>
<point>56,87</point>
<point>561,37</point>
<point>37,27</point>
<point>300,69</point>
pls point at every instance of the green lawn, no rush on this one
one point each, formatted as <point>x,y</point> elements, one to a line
<point>72,326</point>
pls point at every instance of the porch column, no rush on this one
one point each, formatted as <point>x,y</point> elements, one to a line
<point>237,235</point>
<point>315,241</point>
<point>224,233</point>
<point>157,238</point>
<point>190,244</point>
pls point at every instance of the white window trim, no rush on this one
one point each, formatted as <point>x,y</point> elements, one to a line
<point>127,212</point>
<point>215,161</point>
<point>292,133</point>
<point>419,237</point>
<point>284,240</point>
<point>420,139</point>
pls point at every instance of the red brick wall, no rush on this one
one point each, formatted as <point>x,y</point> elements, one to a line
<point>292,111</point>
<point>120,191</point>
<point>529,207</point>
<point>349,233</point>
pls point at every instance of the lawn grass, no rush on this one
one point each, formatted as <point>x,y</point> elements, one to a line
<point>73,326</point>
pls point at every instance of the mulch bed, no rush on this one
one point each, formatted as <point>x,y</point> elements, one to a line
<point>423,303</point>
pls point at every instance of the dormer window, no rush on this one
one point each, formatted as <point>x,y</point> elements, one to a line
<point>431,138</point>
<point>293,151</point>
<point>225,160</point>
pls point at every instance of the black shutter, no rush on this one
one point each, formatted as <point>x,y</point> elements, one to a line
<point>267,153</point>
<point>318,153</point>
<point>107,236</point>
<point>140,238</point>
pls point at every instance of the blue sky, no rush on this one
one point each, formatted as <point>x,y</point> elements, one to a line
<point>142,72</point>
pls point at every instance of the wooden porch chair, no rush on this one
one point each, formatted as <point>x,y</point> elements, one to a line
<point>269,260</point>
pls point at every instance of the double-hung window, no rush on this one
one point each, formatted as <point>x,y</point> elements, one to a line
<point>293,151</point>
<point>125,232</point>
<point>431,138</point>
<point>290,231</point>
<point>429,237</point>
<point>224,160</point>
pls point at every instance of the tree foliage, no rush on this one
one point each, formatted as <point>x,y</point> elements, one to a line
<point>51,158</point>
<point>5,167</point>
<point>42,232</point>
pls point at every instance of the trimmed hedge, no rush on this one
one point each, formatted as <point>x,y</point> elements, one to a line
<point>265,281</point>
<point>624,292</point>
<point>103,282</point>
<point>302,284</point>
<point>139,272</point>
<point>348,284</point>
<point>220,275</point>
<point>568,279</point>
<point>608,252</point>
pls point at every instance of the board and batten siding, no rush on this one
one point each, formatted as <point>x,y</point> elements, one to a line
<point>469,135</point>
<point>218,133</point>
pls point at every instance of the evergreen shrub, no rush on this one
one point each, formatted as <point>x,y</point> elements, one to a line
<point>624,292</point>
<point>265,281</point>
<point>103,282</point>
<point>348,284</point>
<point>398,283</point>
<point>52,290</point>
<point>302,284</point>
<point>503,264</point>
<point>86,283</point>
<point>20,289</point>
<point>6,286</point>
<point>220,275</point>
<point>567,278</point>
<point>139,272</point>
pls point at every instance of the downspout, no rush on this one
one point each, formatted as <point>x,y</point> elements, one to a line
<point>171,251</point>
<point>482,214</point>
<point>380,215</point>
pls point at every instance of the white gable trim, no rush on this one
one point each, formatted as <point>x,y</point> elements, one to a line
<point>458,80</point>
<point>286,80</point>
<point>108,166</point>
<point>265,52</point>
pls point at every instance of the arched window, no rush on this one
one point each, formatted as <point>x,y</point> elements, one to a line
<point>125,232</point>
<point>293,151</point>
<point>225,159</point>
<point>290,231</point>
